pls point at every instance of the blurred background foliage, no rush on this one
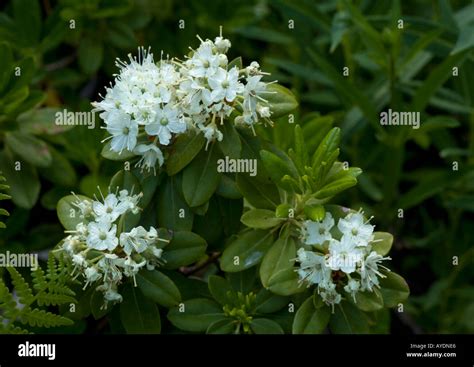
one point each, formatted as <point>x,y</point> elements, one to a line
<point>405,55</point>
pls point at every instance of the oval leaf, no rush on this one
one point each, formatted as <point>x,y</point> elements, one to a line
<point>196,314</point>
<point>69,214</point>
<point>200,178</point>
<point>184,149</point>
<point>138,314</point>
<point>265,326</point>
<point>246,251</point>
<point>311,320</point>
<point>158,288</point>
<point>260,219</point>
<point>185,248</point>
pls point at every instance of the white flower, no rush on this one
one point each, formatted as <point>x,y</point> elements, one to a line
<point>252,91</point>
<point>112,295</point>
<point>110,210</point>
<point>102,236</point>
<point>253,68</point>
<point>78,260</point>
<point>130,201</point>
<point>313,267</point>
<point>263,111</point>
<point>109,266</point>
<point>138,240</point>
<point>352,287</point>
<point>84,206</point>
<point>316,233</point>
<point>131,268</point>
<point>330,295</point>
<point>211,132</point>
<point>344,255</point>
<point>91,274</point>
<point>167,121</point>
<point>124,133</point>
<point>204,62</point>
<point>354,227</point>
<point>225,85</point>
<point>150,155</point>
<point>222,44</point>
<point>369,271</point>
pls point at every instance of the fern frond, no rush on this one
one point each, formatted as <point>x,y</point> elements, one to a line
<point>3,196</point>
<point>41,318</point>
<point>23,291</point>
<point>49,288</point>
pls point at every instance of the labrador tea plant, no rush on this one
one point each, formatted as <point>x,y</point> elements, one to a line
<point>277,254</point>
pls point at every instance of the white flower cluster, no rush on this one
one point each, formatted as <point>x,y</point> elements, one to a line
<point>100,254</point>
<point>151,102</point>
<point>347,263</point>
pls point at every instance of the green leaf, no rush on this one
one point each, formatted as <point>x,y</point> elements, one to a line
<point>351,94</point>
<point>301,149</point>
<point>120,35</point>
<point>335,187</point>
<point>24,183</point>
<point>246,250</point>
<point>158,288</point>
<point>90,54</point>
<point>224,326</point>
<point>185,248</point>
<point>382,243</point>
<point>285,282</point>
<point>31,149</point>
<point>438,76</point>
<point>309,319</point>
<point>465,39</point>
<point>315,129</point>
<point>125,180</point>
<point>275,265</point>
<point>69,214</point>
<point>228,188</point>
<point>220,289</point>
<point>265,326</point>
<point>184,149</point>
<point>260,219</point>
<point>258,194</point>
<point>426,189</point>
<point>280,99</point>
<point>327,149</point>
<point>27,16</point>
<point>6,64</point>
<point>200,178</point>
<point>108,153</point>
<point>196,314</point>
<point>368,301</point>
<point>138,314</point>
<point>96,303</point>
<point>172,211</point>
<point>348,319</point>
<point>283,210</point>
<point>315,212</point>
<point>235,62</point>
<point>278,168</point>
<point>394,289</point>
<point>268,302</point>
<point>41,121</point>
<point>60,172</point>
<point>243,281</point>
<point>230,145</point>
